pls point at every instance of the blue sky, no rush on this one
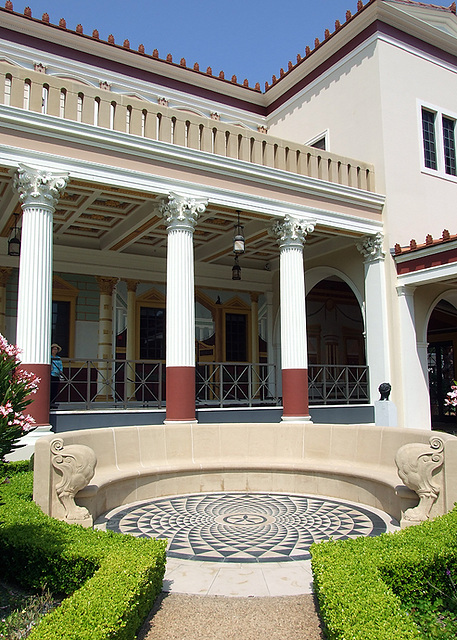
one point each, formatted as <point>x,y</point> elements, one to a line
<point>252,39</point>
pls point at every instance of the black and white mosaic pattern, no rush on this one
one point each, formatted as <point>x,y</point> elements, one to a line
<point>244,527</point>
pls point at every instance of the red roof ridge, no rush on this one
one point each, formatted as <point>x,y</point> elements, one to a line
<point>349,17</point>
<point>126,45</point>
<point>429,242</point>
<point>451,8</point>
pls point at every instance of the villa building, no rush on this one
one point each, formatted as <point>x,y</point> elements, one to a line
<point>206,250</point>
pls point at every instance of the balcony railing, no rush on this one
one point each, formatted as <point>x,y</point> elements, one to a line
<point>338,384</point>
<point>70,100</point>
<point>232,383</point>
<point>92,384</point>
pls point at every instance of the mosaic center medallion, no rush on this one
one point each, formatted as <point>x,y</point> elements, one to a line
<point>244,527</point>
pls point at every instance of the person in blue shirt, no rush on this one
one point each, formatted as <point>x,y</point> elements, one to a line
<point>56,372</point>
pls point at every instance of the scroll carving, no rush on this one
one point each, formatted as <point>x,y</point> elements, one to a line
<point>76,463</point>
<point>416,464</point>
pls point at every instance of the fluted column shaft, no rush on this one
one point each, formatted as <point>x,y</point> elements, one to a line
<point>39,191</point>
<point>376,327</point>
<point>290,235</point>
<point>181,215</point>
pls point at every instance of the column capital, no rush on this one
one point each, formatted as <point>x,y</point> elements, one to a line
<point>106,285</point>
<point>39,187</point>
<point>132,284</point>
<point>254,296</point>
<point>181,212</point>
<point>406,291</point>
<point>291,232</point>
<point>5,273</point>
<point>371,247</point>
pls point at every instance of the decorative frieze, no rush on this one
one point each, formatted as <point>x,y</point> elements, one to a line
<point>371,247</point>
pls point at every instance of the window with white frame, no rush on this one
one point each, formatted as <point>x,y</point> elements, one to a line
<point>438,138</point>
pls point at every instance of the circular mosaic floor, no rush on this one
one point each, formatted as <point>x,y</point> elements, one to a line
<point>244,527</point>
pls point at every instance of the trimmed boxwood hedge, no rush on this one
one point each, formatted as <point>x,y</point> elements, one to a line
<point>111,580</point>
<point>364,586</point>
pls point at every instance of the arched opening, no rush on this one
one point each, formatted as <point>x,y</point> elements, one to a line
<point>336,345</point>
<point>442,365</point>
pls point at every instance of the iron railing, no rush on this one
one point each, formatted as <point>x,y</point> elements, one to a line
<point>233,383</point>
<point>121,383</point>
<point>89,384</point>
<point>338,384</point>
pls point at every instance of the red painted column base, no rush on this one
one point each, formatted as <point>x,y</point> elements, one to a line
<point>295,393</point>
<point>39,407</point>
<point>180,394</point>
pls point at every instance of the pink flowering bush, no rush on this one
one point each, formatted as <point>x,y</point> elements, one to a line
<point>16,386</point>
<point>451,400</point>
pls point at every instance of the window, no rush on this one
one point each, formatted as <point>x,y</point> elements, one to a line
<point>61,318</point>
<point>438,137</point>
<point>152,333</point>
<point>320,141</point>
<point>449,146</point>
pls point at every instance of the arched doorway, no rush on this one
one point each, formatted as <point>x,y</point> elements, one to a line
<point>336,346</point>
<point>442,365</point>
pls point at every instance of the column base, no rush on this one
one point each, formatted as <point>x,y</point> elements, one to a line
<point>39,407</point>
<point>180,395</point>
<point>295,394</point>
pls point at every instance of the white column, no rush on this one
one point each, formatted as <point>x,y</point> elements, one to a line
<point>416,399</point>
<point>376,319</point>
<point>39,191</point>
<point>290,234</point>
<point>180,214</point>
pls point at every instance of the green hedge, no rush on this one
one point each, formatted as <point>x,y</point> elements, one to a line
<point>111,580</point>
<point>364,586</point>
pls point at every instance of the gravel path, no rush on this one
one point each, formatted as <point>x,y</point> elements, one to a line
<point>187,617</point>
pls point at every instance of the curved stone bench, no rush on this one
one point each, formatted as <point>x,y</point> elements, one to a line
<point>349,462</point>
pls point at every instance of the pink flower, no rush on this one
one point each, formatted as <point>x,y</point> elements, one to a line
<point>6,409</point>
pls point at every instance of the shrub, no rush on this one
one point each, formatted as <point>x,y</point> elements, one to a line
<point>111,579</point>
<point>16,385</point>
<point>364,586</point>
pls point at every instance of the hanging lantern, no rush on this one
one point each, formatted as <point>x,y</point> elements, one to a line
<point>239,244</point>
<point>14,243</point>
<point>236,270</point>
